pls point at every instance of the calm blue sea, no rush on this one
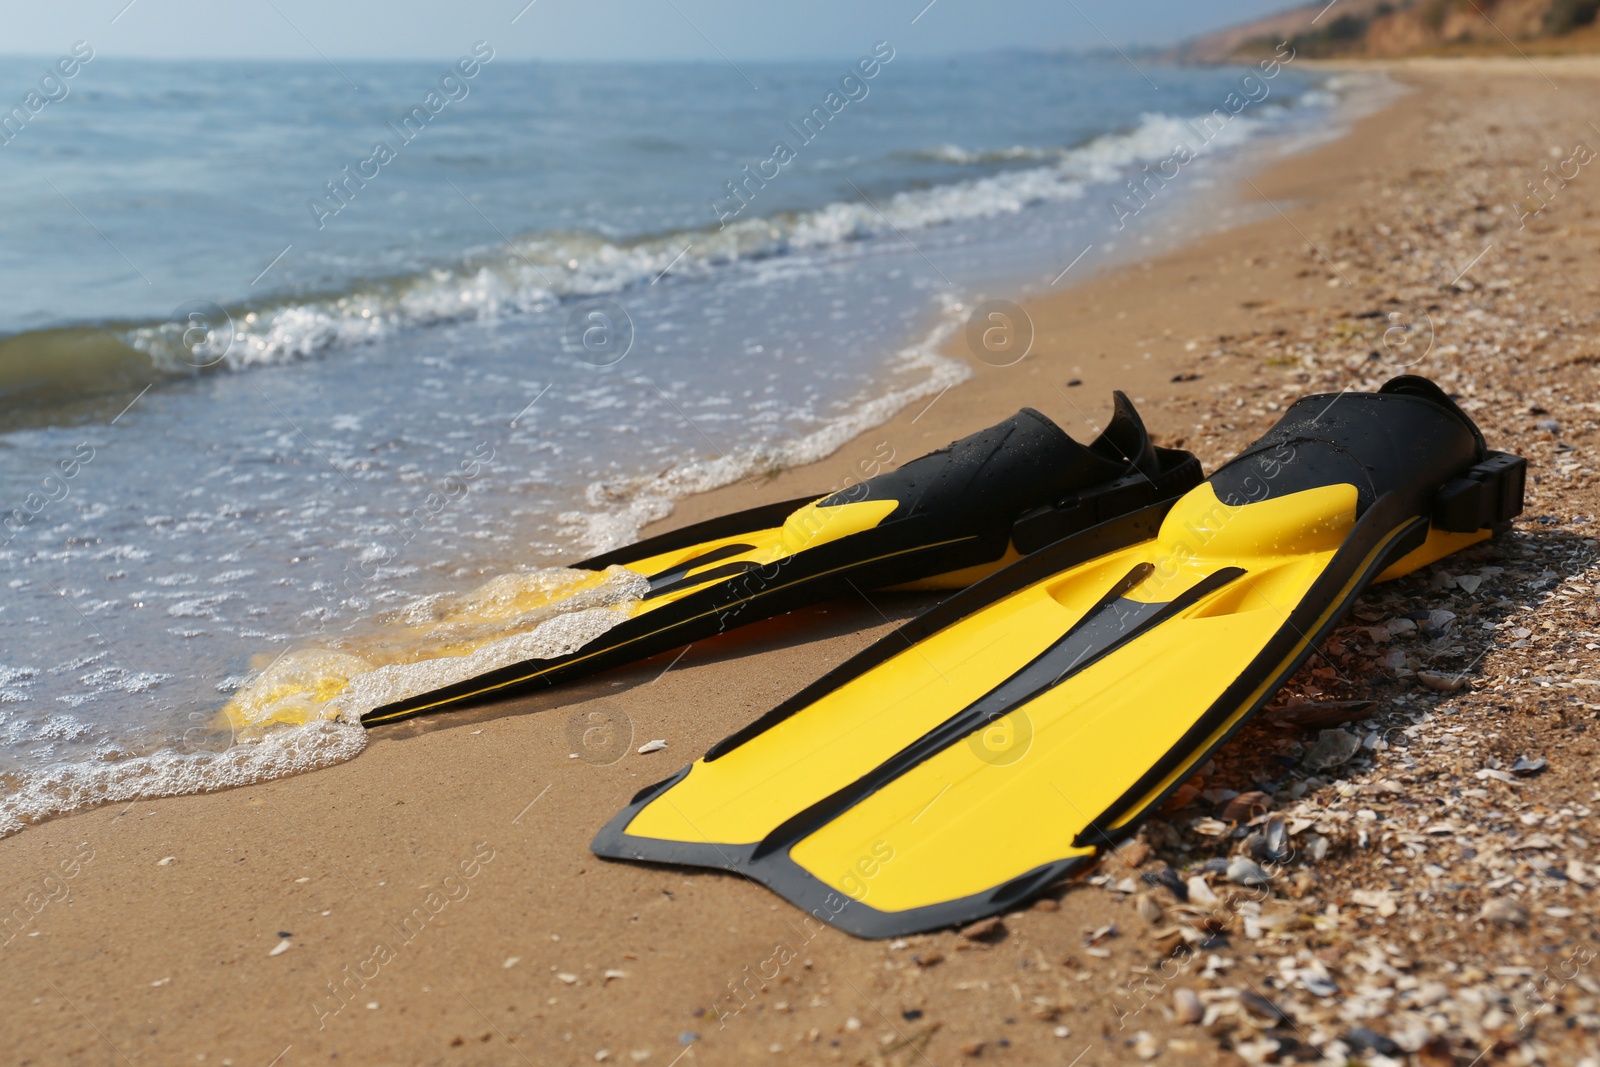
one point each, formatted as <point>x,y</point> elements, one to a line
<point>282,354</point>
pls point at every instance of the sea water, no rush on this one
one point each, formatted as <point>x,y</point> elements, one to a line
<point>310,379</point>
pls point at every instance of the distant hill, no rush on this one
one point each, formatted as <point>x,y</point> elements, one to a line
<point>1386,28</point>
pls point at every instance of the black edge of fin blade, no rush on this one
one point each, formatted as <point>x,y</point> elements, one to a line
<point>715,574</point>
<point>716,555</point>
<point>805,891</point>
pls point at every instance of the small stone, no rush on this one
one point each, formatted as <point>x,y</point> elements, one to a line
<point>1259,1005</point>
<point>281,947</point>
<point>1319,986</point>
<point>1331,749</point>
<point>1363,1040</point>
<point>651,746</point>
<point>1380,900</point>
<point>1145,1045</point>
<point>1551,425</point>
<point>1319,848</point>
<point>1271,843</point>
<point>1504,912</point>
<point>1445,683</point>
<point>1167,940</point>
<point>603,1055</point>
<point>1101,934</point>
<point>1526,768</point>
<point>1046,904</point>
<point>1168,878</point>
<point>973,1049</point>
<point>1201,894</point>
<point>1062,1031</point>
<point>1247,872</point>
<point>1436,1052</point>
<point>569,979</point>
<point>1186,1006</point>
<point>164,862</point>
<point>984,929</point>
<point>1431,993</point>
<point>1132,853</point>
<point>1246,806</point>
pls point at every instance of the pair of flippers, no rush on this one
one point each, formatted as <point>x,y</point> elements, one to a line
<point>1125,619</point>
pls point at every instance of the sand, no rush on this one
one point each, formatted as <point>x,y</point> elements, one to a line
<point>434,901</point>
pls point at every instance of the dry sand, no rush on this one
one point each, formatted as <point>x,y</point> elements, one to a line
<point>439,905</point>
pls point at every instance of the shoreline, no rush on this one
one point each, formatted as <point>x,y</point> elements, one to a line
<point>215,928</point>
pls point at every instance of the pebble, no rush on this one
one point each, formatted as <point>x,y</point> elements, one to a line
<point>1260,1005</point>
<point>1271,842</point>
<point>1132,853</point>
<point>1379,900</point>
<point>1445,683</point>
<point>984,929</point>
<point>973,1049</point>
<point>1063,1031</point>
<point>1527,768</point>
<point>1332,748</point>
<point>651,746</point>
<point>1246,806</point>
<point>1504,912</point>
<point>1201,894</point>
<point>1186,1006</point>
<point>1169,879</point>
<point>1145,1045</point>
<point>1247,872</point>
<point>1319,986</point>
<point>1363,1040</point>
<point>1431,993</point>
<point>281,947</point>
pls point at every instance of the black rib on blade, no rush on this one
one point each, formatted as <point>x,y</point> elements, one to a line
<point>1106,627</point>
<point>678,570</point>
<point>715,574</point>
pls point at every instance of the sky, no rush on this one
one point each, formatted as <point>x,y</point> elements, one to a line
<point>601,29</point>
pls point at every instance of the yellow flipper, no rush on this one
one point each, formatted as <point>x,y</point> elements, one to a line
<point>1044,711</point>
